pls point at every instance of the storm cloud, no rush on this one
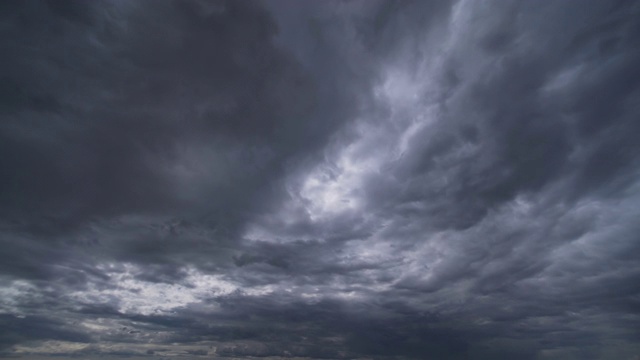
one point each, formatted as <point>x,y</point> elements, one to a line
<point>320,179</point>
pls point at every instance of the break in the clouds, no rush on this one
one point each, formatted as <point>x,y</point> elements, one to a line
<point>320,179</point>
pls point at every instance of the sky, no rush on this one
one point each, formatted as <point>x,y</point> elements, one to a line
<point>289,179</point>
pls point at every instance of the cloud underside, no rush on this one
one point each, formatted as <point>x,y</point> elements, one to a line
<point>336,180</point>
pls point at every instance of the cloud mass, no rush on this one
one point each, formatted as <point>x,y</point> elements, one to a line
<point>320,180</point>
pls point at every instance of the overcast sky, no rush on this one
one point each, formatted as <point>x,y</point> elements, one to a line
<point>437,180</point>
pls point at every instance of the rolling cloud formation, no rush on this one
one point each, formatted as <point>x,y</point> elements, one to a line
<point>328,179</point>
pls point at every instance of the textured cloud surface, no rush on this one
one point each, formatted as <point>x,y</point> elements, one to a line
<point>320,179</point>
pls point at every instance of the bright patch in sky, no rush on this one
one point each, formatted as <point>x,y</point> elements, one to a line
<point>134,296</point>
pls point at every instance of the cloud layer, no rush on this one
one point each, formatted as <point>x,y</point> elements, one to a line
<point>335,180</point>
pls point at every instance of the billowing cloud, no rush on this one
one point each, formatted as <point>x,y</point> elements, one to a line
<point>335,179</point>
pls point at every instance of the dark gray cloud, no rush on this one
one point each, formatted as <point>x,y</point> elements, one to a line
<point>336,179</point>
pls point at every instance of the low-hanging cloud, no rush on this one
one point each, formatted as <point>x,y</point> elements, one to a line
<point>335,180</point>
